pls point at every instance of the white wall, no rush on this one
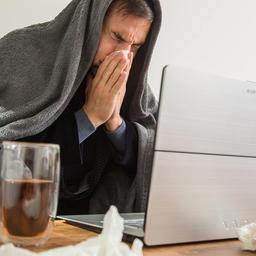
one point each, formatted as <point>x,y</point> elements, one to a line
<point>20,13</point>
<point>217,36</point>
<point>212,35</point>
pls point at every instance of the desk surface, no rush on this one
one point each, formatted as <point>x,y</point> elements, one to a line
<point>65,234</point>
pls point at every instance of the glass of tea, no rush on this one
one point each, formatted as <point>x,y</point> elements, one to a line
<point>29,185</point>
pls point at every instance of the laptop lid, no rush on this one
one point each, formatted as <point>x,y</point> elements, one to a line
<point>204,167</point>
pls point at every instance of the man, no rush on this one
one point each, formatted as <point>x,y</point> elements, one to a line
<point>80,81</point>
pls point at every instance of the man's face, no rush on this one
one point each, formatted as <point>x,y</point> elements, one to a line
<point>121,33</point>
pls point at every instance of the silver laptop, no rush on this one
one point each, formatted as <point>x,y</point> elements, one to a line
<point>204,167</point>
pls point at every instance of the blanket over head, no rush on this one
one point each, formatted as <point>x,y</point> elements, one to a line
<point>42,66</point>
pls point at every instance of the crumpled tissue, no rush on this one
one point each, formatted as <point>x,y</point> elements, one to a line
<point>108,243</point>
<point>247,235</point>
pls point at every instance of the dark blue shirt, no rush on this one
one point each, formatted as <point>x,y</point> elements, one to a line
<point>122,138</point>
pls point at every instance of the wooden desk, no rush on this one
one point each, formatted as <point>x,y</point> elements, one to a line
<point>65,234</point>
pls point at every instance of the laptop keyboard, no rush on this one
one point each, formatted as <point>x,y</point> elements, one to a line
<point>136,223</point>
<point>133,223</point>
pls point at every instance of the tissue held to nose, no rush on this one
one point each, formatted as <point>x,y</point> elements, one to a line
<point>125,52</point>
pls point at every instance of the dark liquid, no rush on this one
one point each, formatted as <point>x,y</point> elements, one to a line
<point>26,206</point>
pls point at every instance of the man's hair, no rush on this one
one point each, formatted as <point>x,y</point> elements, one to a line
<point>138,8</point>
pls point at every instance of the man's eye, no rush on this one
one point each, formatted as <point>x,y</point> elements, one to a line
<point>116,37</point>
<point>119,40</point>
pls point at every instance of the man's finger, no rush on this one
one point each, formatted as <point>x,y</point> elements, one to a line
<point>120,83</point>
<point>130,57</point>
<point>102,68</point>
<point>112,69</point>
<point>122,65</point>
<point>107,67</point>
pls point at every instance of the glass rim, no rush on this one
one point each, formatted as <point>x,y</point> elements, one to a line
<point>29,144</point>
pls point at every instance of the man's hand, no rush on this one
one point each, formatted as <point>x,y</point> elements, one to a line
<point>102,93</point>
<point>115,120</point>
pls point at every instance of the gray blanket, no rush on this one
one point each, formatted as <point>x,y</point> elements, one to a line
<point>42,66</point>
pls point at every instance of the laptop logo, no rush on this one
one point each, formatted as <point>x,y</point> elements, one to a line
<point>233,224</point>
<point>251,91</point>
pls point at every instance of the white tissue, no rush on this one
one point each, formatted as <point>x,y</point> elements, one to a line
<point>247,235</point>
<point>125,52</point>
<point>108,243</point>
<point>11,250</point>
